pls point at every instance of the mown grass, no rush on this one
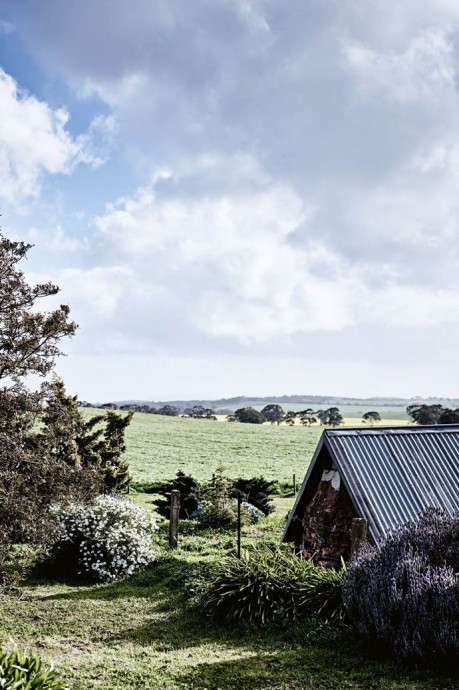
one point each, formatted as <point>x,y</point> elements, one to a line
<point>140,634</point>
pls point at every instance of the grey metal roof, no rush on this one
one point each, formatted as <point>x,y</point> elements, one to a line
<point>392,473</point>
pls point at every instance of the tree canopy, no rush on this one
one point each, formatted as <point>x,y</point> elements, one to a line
<point>247,415</point>
<point>371,417</point>
<point>273,413</point>
<point>29,338</point>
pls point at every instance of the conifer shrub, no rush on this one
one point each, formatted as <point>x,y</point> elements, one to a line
<point>271,583</point>
<point>257,491</point>
<point>404,592</point>
<point>25,670</point>
<point>103,541</point>
<point>188,488</point>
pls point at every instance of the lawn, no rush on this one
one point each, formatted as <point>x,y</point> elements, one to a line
<point>139,634</point>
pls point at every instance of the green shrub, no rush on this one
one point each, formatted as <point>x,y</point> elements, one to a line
<point>25,671</point>
<point>188,488</point>
<point>217,505</point>
<point>269,583</point>
<point>256,491</point>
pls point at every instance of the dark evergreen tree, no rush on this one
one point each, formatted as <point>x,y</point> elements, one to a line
<point>188,488</point>
<point>96,444</point>
<point>256,491</point>
<point>247,415</point>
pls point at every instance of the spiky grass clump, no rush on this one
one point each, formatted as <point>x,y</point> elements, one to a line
<point>272,583</point>
<point>26,671</point>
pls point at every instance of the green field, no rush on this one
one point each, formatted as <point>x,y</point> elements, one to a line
<point>158,446</point>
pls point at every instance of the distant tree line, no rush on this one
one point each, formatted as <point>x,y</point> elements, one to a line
<point>432,414</point>
<point>196,412</point>
<point>276,415</point>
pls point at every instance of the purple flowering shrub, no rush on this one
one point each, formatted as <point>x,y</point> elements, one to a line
<point>404,592</point>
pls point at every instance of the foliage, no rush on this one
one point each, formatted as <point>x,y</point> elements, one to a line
<point>200,412</point>
<point>371,417</point>
<point>266,584</point>
<point>257,491</point>
<point>290,417</point>
<point>449,416</point>
<point>273,413</point>
<point>141,632</point>
<point>97,444</point>
<point>425,414</point>
<point>112,465</point>
<point>30,477</point>
<point>405,591</point>
<point>432,414</point>
<point>168,411</point>
<point>218,507</point>
<point>330,417</point>
<point>188,488</point>
<point>307,416</point>
<point>30,482</point>
<point>103,541</point>
<point>247,415</point>
<point>29,338</point>
<point>25,670</point>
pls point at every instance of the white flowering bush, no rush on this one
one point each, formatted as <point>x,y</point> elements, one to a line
<point>104,540</point>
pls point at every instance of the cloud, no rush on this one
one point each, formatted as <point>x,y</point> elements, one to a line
<point>34,142</point>
<point>287,180</point>
<point>225,259</point>
<point>425,69</point>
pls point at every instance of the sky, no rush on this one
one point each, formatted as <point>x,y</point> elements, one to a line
<point>239,197</point>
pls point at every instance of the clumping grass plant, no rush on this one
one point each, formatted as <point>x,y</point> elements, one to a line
<point>102,541</point>
<point>271,583</point>
<point>26,671</point>
<point>404,592</point>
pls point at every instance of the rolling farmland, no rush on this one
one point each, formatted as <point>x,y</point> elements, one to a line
<point>158,446</point>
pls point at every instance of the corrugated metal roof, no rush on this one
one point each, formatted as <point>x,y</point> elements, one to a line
<point>392,473</point>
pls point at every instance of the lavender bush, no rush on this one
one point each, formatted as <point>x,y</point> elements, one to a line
<point>404,591</point>
<point>103,541</point>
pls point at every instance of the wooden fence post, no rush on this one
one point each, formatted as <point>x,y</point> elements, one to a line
<point>359,534</point>
<point>294,484</point>
<point>239,501</point>
<point>174,519</point>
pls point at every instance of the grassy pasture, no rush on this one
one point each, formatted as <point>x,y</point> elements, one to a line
<point>158,446</point>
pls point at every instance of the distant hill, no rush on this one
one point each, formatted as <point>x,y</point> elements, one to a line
<point>286,401</point>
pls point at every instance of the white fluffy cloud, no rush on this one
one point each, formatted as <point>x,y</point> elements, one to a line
<point>228,258</point>
<point>34,142</point>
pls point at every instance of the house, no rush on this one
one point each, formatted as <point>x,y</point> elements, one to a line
<point>386,475</point>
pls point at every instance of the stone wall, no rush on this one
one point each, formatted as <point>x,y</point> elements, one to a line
<point>327,522</point>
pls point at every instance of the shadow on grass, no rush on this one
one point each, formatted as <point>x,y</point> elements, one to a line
<point>294,656</point>
<point>310,668</point>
